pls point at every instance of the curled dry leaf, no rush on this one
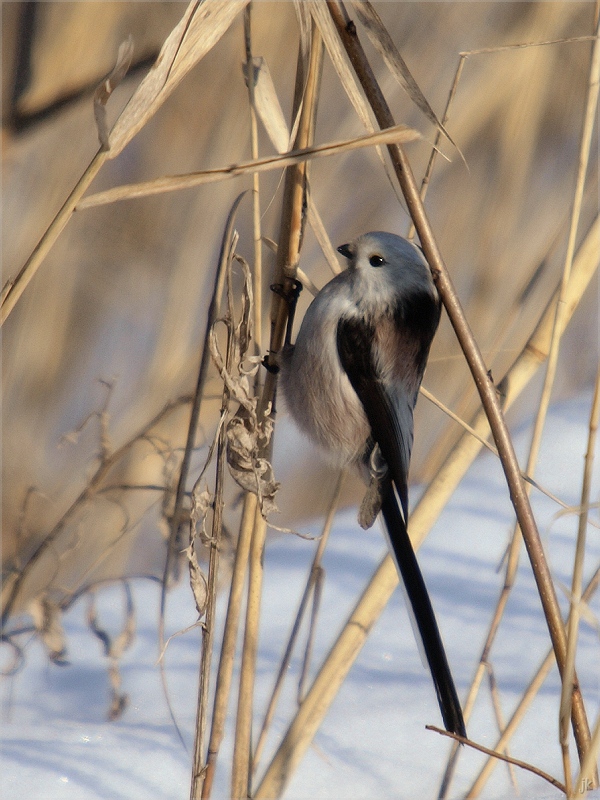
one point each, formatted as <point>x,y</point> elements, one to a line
<point>245,440</point>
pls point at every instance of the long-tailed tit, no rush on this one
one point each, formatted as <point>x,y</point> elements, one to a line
<point>351,383</point>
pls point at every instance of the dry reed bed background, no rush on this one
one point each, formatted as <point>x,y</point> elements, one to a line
<point>101,349</point>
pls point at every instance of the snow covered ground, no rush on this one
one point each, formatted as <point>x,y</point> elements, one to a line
<point>373,743</point>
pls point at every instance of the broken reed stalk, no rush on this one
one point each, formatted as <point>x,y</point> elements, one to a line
<point>485,386</point>
<point>308,590</point>
<point>499,756</point>
<point>305,100</point>
<point>528,696</point>
<point>384,581</point>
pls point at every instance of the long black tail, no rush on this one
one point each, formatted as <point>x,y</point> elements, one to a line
<point>423,613</point>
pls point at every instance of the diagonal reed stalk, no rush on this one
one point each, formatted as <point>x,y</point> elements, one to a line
<point>485,386</point>
<point>557,330</point>
<point>525,702</point>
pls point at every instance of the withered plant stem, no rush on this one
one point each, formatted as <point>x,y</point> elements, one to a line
<point>290,240</point>
<point>213,311</point>
<point>481,376</point>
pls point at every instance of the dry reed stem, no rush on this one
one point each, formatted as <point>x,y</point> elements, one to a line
<point>485,386</point>
<point>576,585</point>
<point>557,331</point>
<point>227,246</point>
<point>14,288</point>
<point>289,648</point>
<point>240,779</point>
<point>584,153</point>
<point>228,645</point>
<point>223,272</point>
<point>256,214</point>
<point>495,695</point>
<point>297,156</point>
<point>305,101</point>
<point>525,702</point>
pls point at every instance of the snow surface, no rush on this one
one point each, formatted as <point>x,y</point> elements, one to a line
<point>57,742</point>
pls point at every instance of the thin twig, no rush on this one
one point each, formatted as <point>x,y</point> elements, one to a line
<point>500,756</point>
<point>15,580</point>
<point>528,696</point>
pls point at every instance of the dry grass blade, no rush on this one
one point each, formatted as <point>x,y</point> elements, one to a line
<point>268,108</point>
<point>200,28</point>
<point>177,182</point>
<point>107,87</point>
<point>339,59</point>
<point>385,46</point>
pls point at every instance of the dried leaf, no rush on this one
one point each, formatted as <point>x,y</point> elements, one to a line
<point>385,46</point>
<point>200,28</point>
<point>267,105</point>
<point>245,440</point>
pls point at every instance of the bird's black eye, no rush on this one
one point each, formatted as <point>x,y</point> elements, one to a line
<point>376,261</point>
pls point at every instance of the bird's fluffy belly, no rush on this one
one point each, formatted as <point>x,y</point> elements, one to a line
<point>323,401</point>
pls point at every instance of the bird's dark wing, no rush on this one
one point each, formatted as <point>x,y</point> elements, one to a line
<point>386,416</point>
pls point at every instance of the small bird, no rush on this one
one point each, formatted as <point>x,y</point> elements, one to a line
<point>351,383</point>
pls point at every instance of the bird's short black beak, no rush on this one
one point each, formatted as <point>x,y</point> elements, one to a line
<point>345,250</point>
